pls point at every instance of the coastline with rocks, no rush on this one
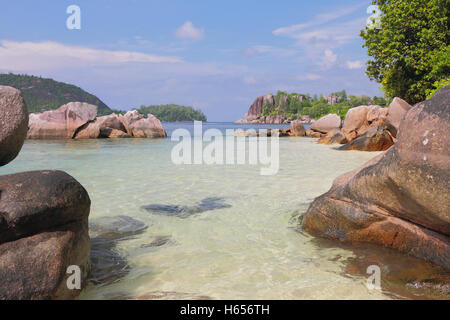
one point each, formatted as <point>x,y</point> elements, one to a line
<point>381,203</point>
<point>43,220</point>
<point>78,120</point>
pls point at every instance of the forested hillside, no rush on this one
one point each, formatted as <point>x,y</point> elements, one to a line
<point>42,94</point>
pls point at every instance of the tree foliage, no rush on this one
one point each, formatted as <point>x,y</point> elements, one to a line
<point>410,49</point>
<point>173,112</point>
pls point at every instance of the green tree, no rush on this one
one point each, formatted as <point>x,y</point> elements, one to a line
<point>173,112</point>
<point>410,50</point>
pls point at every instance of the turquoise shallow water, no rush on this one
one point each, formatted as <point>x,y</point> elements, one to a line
<point>251,249</point>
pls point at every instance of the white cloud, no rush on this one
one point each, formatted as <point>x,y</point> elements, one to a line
<point>354,64</point>
<point>308,77</point>
<point>188,31</point>
<point>329,59</point>
<point>334,36</point>
<point>264,49</point>
<point>18,56</point>
<point>318,20</point>
<point>250,80</point>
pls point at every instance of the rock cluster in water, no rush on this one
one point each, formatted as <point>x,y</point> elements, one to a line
<point>78,120</point>
<point>43,218</point>
<point>401,198</point>
<point>366,128</point>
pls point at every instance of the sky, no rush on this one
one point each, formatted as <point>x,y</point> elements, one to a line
<point>217,56</point>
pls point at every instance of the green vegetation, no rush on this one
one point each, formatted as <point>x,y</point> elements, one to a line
<point>437,85</point>
<point>294,105</point>
<point>173,112</point>
<point>410,50</point>
<point>42,94</point>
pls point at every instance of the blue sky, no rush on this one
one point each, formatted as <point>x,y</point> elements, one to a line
<point>214,55</point>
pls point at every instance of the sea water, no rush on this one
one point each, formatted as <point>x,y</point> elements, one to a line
<point>249,247</point>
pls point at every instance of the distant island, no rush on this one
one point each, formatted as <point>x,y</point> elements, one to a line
<point>173,112</point>
<point>284,107</point>
<point>43,94</point>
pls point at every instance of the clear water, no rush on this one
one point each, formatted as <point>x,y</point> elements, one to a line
<point>251,250</point>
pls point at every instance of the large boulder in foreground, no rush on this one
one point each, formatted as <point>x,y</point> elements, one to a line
<point>327,123</point>
<point>374,139</point>
<point>13,123</point>
<point>136,125</point>
<point>401,198</point>
<point>43,230</point>
<point>61,123</point>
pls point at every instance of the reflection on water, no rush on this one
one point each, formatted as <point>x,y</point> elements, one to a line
<point>247,247</point>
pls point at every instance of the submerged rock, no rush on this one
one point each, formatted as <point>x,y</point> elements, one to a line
<point>108,265</point>
<point>13,123</point>
<point>206,204</point>
<point>158,241</point>
<point>400,199</point>
<point>116,228</point>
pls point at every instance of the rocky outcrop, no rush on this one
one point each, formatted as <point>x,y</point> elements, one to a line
<point>374,139</point>
<point>401,198</point>
<point>314,134</point>
<point>137,126</point>
<point>254,113</point>
<point>43,226</point>
<point>255,109</point>
<point>264,132</point>
<point>61,123</point>
<point>108,126</point>
<point>13,123</point>
<point>360,119</point>
<point>78,120</point>
<point>297,128</point>
<point>334,136</point>
<point>327,123</point>
<point>397,109</point>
